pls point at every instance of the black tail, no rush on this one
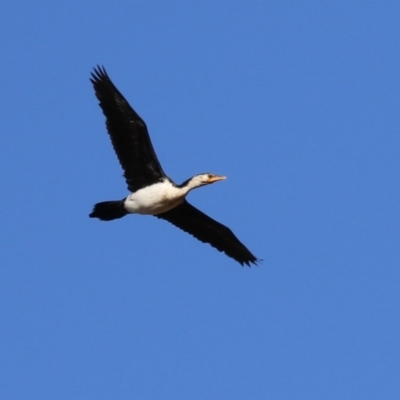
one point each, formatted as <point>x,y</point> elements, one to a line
<point>109,210</point>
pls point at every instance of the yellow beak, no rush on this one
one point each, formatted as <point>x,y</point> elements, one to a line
<point>216,178</point>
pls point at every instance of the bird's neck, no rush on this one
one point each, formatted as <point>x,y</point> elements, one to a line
<point>189,185</point>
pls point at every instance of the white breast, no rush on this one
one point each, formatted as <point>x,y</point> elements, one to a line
<point>154,199</point>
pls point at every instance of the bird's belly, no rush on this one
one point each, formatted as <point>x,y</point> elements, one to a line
<point>151,201</point>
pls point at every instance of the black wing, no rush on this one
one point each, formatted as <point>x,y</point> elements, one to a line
<point>128,133</point>
<point>207,230</point>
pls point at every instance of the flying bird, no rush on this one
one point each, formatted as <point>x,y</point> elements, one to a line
<point>152,191</point>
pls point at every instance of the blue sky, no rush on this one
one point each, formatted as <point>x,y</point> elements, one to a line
<point>298,104</point>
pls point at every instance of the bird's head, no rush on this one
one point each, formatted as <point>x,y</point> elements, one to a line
<point>204,179</point>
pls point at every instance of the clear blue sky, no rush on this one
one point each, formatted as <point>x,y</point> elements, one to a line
<point>298,104</point>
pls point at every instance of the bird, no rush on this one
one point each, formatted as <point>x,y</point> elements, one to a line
<point>152,192</point>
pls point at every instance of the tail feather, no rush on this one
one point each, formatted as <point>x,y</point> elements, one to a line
<point>109,210</point>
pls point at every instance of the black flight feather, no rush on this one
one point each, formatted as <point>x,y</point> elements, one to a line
<point>207,230</point>
<point>128,133</point>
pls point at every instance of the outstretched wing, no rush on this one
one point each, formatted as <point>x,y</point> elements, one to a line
<point>128,133</point>
<point>207,230</point>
